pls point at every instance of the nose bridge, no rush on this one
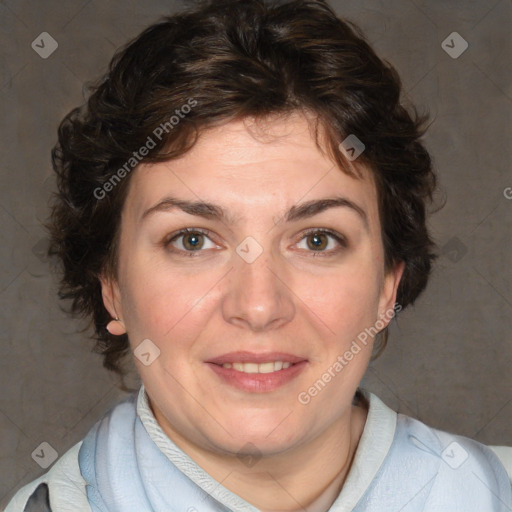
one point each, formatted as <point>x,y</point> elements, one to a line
<point>258,279</point>
<point>257,297</point>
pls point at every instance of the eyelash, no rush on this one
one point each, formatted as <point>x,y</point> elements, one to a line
<point>191,254</point>
<point>342,241</point>
<point>182,232</point>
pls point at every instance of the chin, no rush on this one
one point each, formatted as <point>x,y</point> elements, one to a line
<point>273,433</point>
<point>254,445</point>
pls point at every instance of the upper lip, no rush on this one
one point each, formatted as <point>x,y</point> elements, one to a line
<point>251,357</point>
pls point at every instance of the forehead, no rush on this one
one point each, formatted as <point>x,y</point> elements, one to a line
<point>242,165</point>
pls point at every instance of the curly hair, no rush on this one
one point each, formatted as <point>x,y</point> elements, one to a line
<point>224,60</point>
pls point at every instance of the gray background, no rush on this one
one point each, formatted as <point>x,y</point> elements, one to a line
<point>448,360</point>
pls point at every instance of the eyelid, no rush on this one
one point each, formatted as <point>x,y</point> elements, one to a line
<point>338,237</point>
<point>324,231</point>
<point>182,232</point>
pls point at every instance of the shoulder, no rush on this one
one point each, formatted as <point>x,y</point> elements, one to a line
<point>504,453</point>
<point>463,470</point>
<point>62,489</point>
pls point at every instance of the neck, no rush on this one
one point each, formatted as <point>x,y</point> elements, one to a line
<point>309,478</point>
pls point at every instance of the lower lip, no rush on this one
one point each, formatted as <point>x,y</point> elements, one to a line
<point>258,382</point>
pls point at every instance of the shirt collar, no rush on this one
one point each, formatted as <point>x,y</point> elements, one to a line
<point>373,447</point>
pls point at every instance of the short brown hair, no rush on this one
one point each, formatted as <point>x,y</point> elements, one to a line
<point>232,59</point>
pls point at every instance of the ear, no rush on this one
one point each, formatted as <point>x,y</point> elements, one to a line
<point>112,301</point>
<point>387,299</point>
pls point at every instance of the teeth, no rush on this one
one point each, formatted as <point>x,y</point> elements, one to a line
<point>265,367</point>
<point>272,366</point>
<point>250,368</point>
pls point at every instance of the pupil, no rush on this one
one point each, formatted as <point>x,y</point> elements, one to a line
<point>192,241</point>
<point>318,241</point>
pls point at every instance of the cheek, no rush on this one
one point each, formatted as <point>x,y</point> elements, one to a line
<point>344,300</point>
<point>159,302</point>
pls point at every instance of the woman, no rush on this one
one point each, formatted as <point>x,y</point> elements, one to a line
<point>242,205</point>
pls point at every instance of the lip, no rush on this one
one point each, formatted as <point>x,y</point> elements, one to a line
<point>257,382</point>
<point>252,357</point>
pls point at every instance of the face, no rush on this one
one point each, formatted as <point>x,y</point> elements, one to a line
<point>280,270</point>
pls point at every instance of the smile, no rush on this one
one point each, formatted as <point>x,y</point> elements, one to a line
<point>272,366</point>
<point>258,377</point>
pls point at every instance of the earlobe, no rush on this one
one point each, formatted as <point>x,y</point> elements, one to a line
<point>116,327</point>
<point>111,300</point>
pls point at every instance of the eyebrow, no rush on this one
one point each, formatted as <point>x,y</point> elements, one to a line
<point>215,212</point>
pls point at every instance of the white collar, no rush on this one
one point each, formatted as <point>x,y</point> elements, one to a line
<point>373,447</point>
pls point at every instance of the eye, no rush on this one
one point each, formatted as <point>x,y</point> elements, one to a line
<point>322,241</point>
<point>190,240</point>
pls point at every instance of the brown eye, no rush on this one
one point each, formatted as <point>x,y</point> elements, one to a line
<point>193,241</point>
<point>317,241</point>
<point>322,241</point>
<point>189,241</point>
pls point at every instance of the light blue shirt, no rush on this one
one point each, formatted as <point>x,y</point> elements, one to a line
<point>400,464</point>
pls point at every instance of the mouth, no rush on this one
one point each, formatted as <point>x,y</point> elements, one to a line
<point>269,367</point>
<point>257,372</point>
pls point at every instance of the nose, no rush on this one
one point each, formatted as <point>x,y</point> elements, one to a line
<point>257,296</point>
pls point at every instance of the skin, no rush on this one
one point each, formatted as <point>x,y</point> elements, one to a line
<point>294,298</point>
